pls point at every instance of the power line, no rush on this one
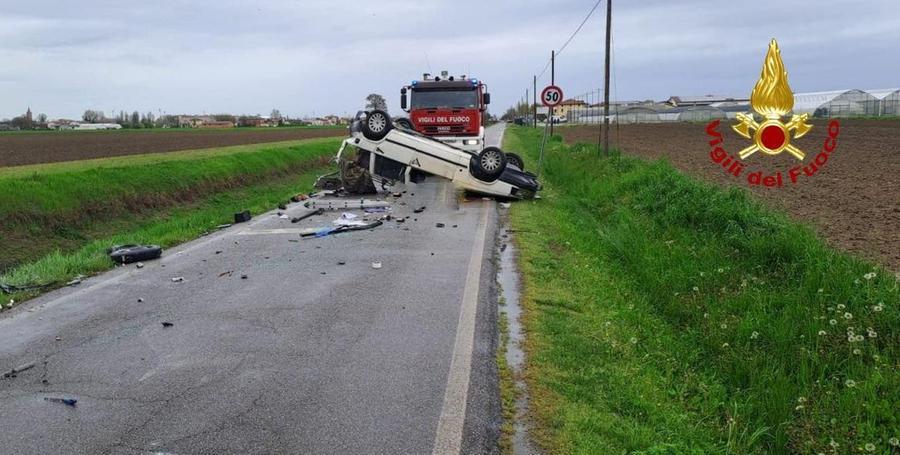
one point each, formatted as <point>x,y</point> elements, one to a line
<point>571,37</point>
<point>579,27</point>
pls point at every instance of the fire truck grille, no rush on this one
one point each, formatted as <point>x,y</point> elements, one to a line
<point>452,129</point>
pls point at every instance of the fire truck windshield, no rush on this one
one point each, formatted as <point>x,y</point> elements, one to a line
<point>432,99</point>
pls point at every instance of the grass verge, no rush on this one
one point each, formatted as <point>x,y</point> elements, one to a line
<point>57,225</point>
<point>665,315</point>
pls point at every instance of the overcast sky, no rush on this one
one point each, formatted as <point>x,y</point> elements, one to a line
<point>317,57</point>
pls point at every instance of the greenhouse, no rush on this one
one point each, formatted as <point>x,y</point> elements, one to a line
<point>701,114</point>
<point>838,103</point>
<point>888,101</point>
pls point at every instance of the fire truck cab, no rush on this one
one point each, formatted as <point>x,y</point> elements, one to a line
<point>447,108</point>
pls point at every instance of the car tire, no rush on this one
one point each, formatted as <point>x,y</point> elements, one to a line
<point>376,125</point>
<point>126,254</point>
<point>515,160</point>
<point>405,123</point>
<point>488,165</point>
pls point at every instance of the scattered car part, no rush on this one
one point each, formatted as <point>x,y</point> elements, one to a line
<point>12,373</point>
<point>306,215</point>
<point>178,279</point>
<point>65,401</point>
<point>126,254</point>
<point>168,324</point>
<point>339,204</point>
<point>242,217</point>
<point>376,265</point>
<point>325,231</point>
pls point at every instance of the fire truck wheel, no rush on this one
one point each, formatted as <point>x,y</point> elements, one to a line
<point>404,123</point>
<point>376,125</point>
<point>489,164</point>
<point>515,160</point>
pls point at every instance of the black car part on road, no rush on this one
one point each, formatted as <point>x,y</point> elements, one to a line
<point>126,254</point>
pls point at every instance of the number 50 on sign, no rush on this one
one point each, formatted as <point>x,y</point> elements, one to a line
<point>551,96</point>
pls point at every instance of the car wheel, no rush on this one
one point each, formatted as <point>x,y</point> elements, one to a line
<point>489,164</point>
<point>404,123</point>
<point>376,125</point>
<point>515,160</point>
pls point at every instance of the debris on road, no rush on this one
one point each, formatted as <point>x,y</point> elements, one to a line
<point>376,265</point>
<point>76,281</point>
<point>12,373</point>
<point>66,401</point>
<point>126,254</point>
<point>139,265</point>
<point>341,263</point>
<point>419,210</point>
<point>306,215</point>
<point>228,273</point>
<point>167,324</point>
<point>325,231</point>
<point>349,219</point>
<point>282,206</point>
<point>299,198</point>
<point>440,225</point>
<point>242,217</point>
<point>338,204</point>
<point>505,205</point>
<point>223,226</point>
<point>178,279</point>
<point>244,276</point>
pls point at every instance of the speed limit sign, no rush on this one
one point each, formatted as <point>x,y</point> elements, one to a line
<point>551,96</point>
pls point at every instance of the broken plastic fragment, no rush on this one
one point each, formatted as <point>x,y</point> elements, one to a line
<point>65,401</point>
<point>376,265</point>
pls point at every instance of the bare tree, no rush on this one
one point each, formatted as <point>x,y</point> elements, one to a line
<point>375,101</point>
<point>42,119</point>
<point>135,119</point>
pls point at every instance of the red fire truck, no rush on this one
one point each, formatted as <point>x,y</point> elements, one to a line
<point>448,108</point>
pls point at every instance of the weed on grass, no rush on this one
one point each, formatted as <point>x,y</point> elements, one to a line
<point>665,315</point>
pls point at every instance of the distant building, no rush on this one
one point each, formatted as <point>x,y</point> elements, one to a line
<point>702,100</point>
<point>563,109</point>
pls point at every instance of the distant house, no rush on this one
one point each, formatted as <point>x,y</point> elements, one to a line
<point>563,109</point>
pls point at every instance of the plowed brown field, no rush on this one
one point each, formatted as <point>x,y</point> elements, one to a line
<point>853,200</point>
<point>18,149</point>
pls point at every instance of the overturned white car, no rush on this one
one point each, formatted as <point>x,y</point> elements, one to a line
<point>400,154</point>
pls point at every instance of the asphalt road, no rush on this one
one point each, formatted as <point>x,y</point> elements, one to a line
<point>315,351</point>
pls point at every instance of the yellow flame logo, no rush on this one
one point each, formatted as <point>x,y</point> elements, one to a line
<point>772,96</point>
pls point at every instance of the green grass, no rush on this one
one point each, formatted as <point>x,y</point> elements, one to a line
<point>665,315</point>
<point>57,223</point>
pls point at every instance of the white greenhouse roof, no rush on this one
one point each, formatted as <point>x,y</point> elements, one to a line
<point>883,93</point>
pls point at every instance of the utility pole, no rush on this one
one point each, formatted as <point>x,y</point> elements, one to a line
<point>552,82</point>
<point>605,126</point>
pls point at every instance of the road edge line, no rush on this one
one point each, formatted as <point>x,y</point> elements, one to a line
<point>449,435</point>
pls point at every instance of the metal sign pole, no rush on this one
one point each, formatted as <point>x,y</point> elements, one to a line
<point>541,156</point>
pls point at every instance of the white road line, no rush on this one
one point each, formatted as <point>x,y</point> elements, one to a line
<point>448,439</point>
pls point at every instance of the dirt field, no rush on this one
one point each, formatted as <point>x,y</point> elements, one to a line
<point>50,147</point>
<point>853,200</point>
